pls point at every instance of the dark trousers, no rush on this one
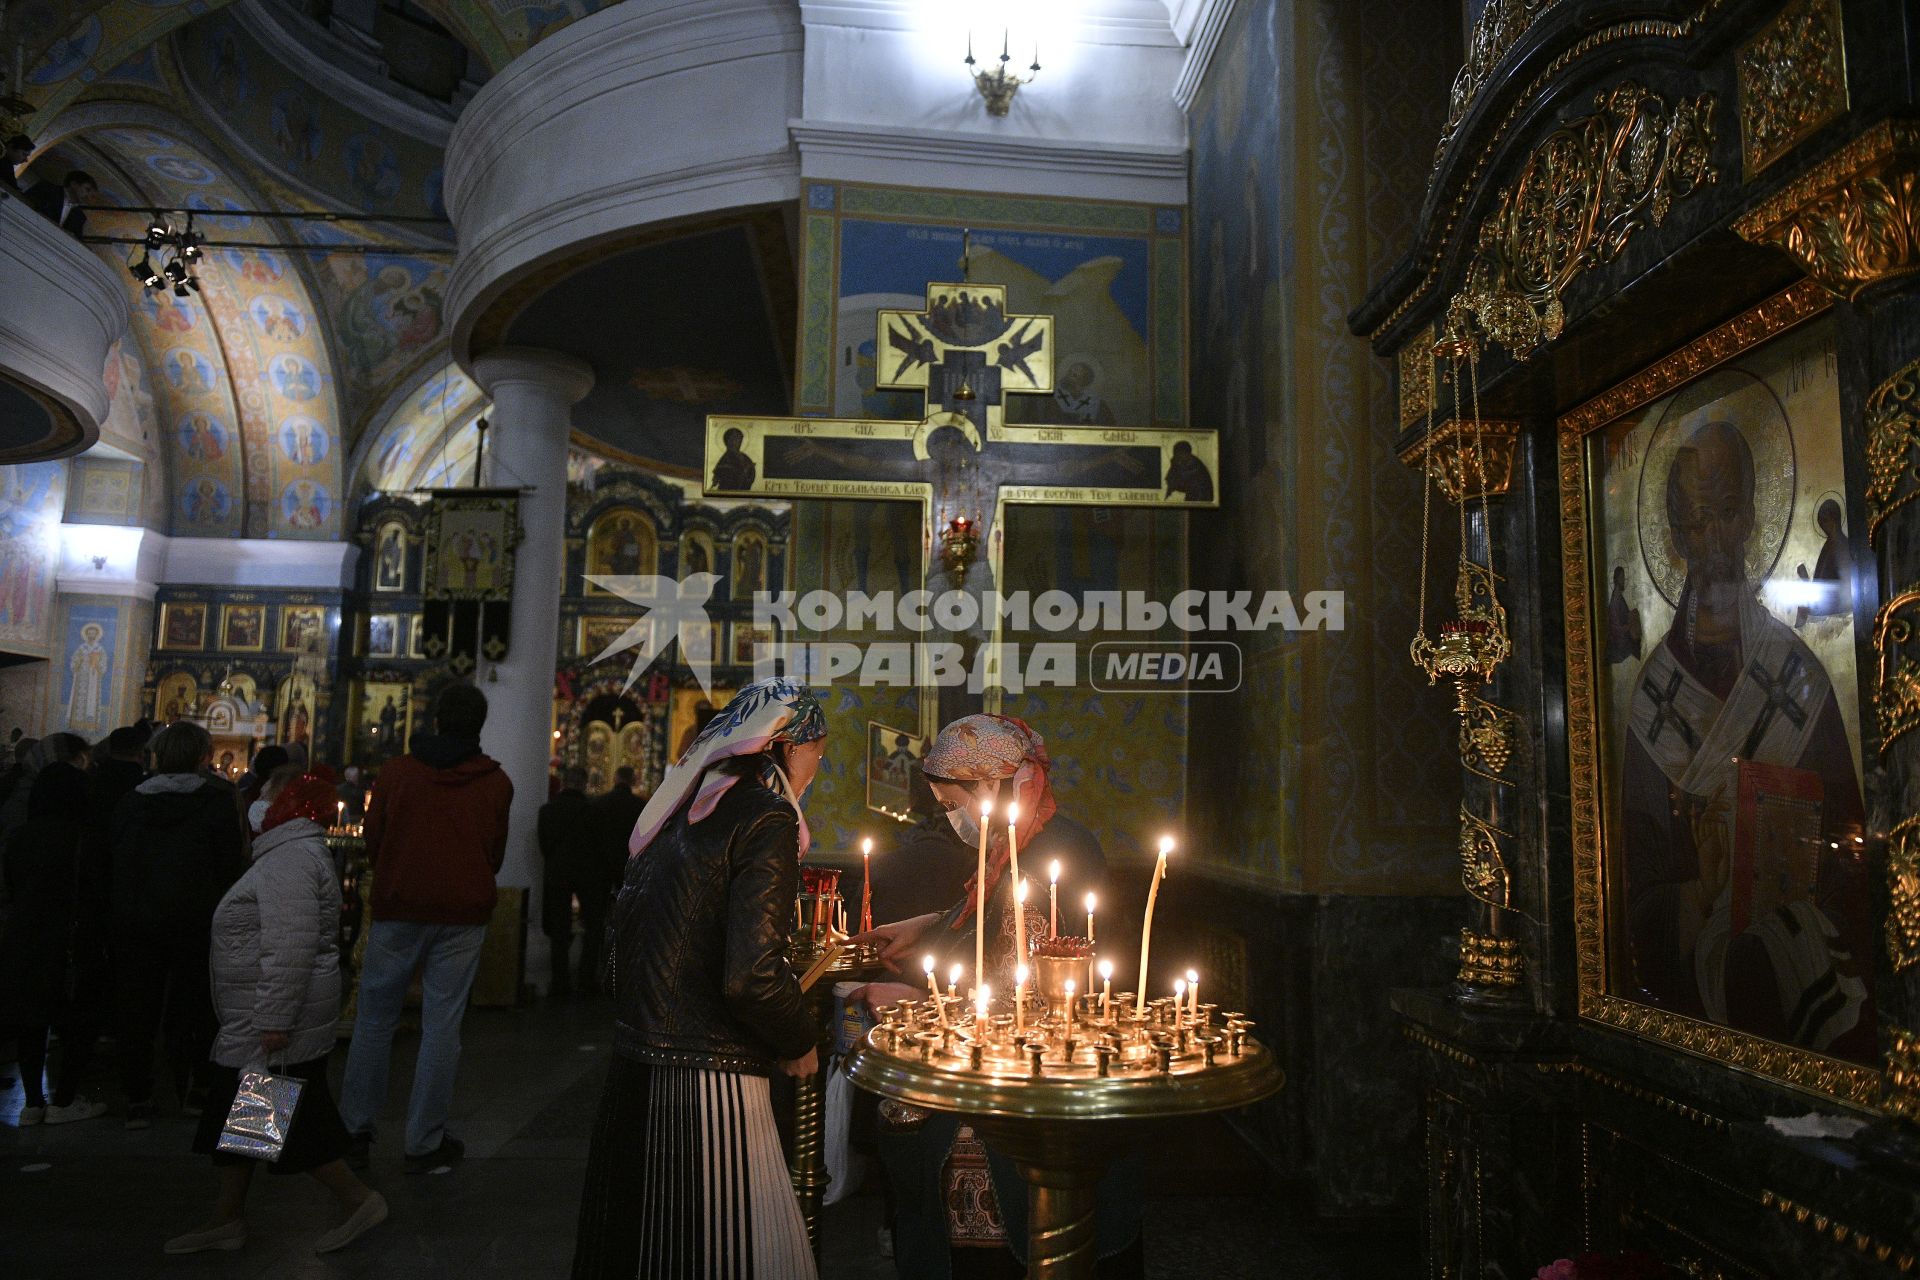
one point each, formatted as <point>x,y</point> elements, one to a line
<point>76,1051</point>
<point>163,986</point>
<point>557,891</point>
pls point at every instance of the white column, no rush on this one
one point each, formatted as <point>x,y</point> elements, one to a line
<point>533,394</point>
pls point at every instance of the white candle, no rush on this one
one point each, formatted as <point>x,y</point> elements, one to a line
<point>866,884</point>
<point>1179,1001</point>
<point>1070,991</point>
<point>933,989</point>
<point>1020,998</point>
<point>1146,929</point>
<point>953,981</point>
<point>1090,902</point>
<point>982,1001</point>
<point>1193,997</point>
<point>1019,902</point>
<point>980,897</point>
<point>1106,986</point>
<point>1053,898</point>
<point>1020,920</point>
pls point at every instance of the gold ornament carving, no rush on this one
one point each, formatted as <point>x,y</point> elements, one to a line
<point>1883,1251</point>
<point>1500,25</point>
<point>1467,459</point>
<point>1902,1096</point>
<point>1854,220</point>
<point>1482,869</point>
<point>1896,690</point>
<point>1903,894</point>
<point>1893,446</point>
<point>1582,194</point>
<point>1793,79</point>
<point>1416,378</point>
<point>1488,961</point>
<point>1486,737</point>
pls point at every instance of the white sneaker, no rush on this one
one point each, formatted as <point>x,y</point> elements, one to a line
<point>78,1109</point>
<point>30,1116</point>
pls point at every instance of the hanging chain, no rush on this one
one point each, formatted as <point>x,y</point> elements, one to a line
<point>1480,461</point>
<point>1465,559</point>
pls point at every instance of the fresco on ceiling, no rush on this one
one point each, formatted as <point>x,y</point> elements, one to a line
<point>423,434</point>
<point>32,501</point>
<point>386,311</point>
<point>238,363</point>
<point>315,141</point>
<point>676,331</point>
<point>130,422</point>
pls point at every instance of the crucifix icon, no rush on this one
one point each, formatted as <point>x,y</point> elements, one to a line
<point>967,353</point>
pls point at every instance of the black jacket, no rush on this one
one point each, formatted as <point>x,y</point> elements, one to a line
<point>55,923</point>
<point>614,815</point>
<point>566,837</point>
<point>177,849</point>
<point>700,932</point>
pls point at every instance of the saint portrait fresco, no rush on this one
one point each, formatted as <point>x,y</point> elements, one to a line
<point>892,756</point>
<point>183,625</point>
<point>243,626</point>
<point>1728,703</point>
<point>390,558</point>
<point>303,628</point>
<point>749,565</point>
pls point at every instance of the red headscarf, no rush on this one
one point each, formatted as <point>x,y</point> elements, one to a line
<point>311,795</point>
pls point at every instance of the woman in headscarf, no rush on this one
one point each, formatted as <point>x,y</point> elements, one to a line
<point>975,759</point>
<point>275,967</point>
<point>685,1178</point>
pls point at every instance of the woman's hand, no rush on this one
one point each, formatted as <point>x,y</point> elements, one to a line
<point>896,940</point>
<point>800,1068</point>
<point>275,1041</point>
<point>878,995</point>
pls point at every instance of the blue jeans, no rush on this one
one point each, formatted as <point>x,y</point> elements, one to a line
<point>447,956</point>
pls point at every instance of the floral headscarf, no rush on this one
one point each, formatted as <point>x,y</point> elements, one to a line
<point>979,747</point>
<point>761,714</point>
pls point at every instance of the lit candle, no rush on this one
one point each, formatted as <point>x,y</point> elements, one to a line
<point>1020,998</point>
<point>1070,991</point>
<point>1193,996</point>
<point>1179,999</point>
<point>1020,920</point>
<point>982,1001</point>
<point>1106,986</point>
<point>1146,929</point>
<point>933,990</point>
<point>866,885</point>
<point>1053,898</point>
<point>1090,905</point>
<point>953,981</point>
<point>340,813</point>
<point>980,896</point>
<point>1019,903</point>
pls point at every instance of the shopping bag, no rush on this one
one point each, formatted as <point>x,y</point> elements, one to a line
<point>261,1115</point>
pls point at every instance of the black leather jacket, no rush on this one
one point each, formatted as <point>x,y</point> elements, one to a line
<point>699,934</point>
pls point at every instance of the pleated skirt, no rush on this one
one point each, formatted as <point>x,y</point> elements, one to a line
<point>686,1181</point>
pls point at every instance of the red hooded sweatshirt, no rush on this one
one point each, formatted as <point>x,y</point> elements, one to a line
<point>437,832</point>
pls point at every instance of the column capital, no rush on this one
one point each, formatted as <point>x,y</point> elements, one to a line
<point>567,376</point>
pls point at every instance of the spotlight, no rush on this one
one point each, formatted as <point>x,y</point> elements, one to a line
<point>179,291</point>
<point>176,271</point>
<point>143,272</point>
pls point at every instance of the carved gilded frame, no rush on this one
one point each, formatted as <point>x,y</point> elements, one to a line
<point>1842,1080</point>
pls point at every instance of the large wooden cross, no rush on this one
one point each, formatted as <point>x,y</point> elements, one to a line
<point>966,353</point>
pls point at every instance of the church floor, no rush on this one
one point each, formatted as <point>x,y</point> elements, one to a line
<point>92,1199</point>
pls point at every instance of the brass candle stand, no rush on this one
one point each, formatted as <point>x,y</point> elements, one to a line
<point>822,954</point>
<point>1060,1086</point>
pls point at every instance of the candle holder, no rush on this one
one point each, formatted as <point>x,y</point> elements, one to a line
<point>959,544</point>
<point>1056,962</point>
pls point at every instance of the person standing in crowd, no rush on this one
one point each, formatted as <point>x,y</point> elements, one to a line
<point>53,949</point>
<point>266,761</point>
<point>66,204</point>
<point>276,984</point>
<point>436,835</point>
<point>177,848</point>
<point>706,1006</point>
<point>571,867</point>
<point>615,812</point>
<point>19,151</point>
<point>352,792</point>
<point>16,785</point>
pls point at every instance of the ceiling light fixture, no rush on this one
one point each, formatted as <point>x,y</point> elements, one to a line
<point>999,85</point>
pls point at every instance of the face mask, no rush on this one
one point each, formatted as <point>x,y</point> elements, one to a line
<point>256,814</point>
<point>965,825</point>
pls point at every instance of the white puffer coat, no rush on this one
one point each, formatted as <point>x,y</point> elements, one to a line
<point>276,950</point>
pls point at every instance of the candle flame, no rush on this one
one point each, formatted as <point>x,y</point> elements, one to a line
<point>1179,987</point>
<point>953,975</point>
<point>1166,845</point>
<point>986,808</point>
<point>1091,900</point>
<point>926,962</point>
<point>1070,988</point>
<point>866,846</point>
<point>1053,871</point>
<point>1020,976</point>
<point>1013,812</point>
<point>1192,976</point>
<point>1020,890</point>
<point>1106,969</point>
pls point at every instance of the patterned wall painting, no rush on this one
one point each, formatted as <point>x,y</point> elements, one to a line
<point>312,139</point>
<point>239,461</point>
<point>32,501</point>
<point>426,438</point>
<point>89,666</point>
<point>386,311</point>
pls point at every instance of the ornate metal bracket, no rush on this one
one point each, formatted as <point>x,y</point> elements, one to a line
<point>1467,459</point>
<point>1853,221</point>
<point>1482,869</point>
<point>1793,79</point>
<point>1893,446</point>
